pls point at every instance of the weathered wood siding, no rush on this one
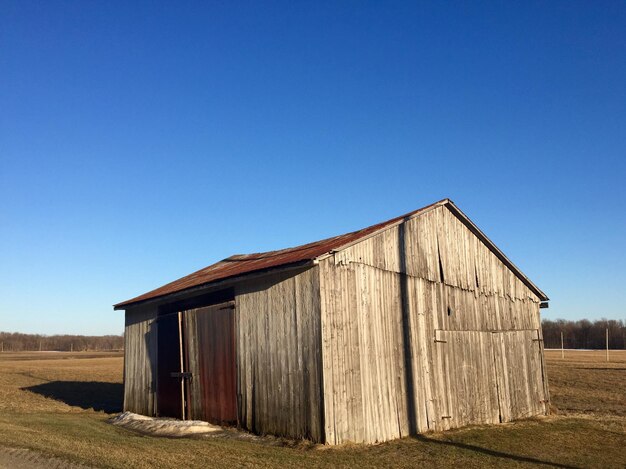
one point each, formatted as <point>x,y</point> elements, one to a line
<point>140,354</point>
<point>278,355</point>
<point>439,248</point>
<point>364,382</point>
<point>420,325</point>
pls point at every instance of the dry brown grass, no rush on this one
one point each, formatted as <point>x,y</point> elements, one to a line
<point>584,382</point>
<point>49,370</point>
<point>59,404</point>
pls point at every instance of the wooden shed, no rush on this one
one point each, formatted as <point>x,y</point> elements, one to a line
<point>418,323</point>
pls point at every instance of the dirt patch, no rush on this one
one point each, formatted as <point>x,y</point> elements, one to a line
<point>21,458</point>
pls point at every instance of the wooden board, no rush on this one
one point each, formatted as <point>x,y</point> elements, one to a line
<point>140,361</point>
<point>519,370</point>
<point>471,393</point>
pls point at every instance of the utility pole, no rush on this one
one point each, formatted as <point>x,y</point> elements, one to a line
<point>562,351</point>
<point>607,344</point>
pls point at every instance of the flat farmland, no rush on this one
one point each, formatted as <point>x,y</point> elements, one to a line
<point>584,382</point>
<point>55,407</point>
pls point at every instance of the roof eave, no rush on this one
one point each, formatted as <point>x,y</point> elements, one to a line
<point>216,283</point>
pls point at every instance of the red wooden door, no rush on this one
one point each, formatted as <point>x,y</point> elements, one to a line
<point>210,333</point>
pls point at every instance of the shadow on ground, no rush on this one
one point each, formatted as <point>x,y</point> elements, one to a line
<point>491,452</point>
<point>99,396</point>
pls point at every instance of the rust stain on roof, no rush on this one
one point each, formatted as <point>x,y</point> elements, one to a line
<point>240,264</point>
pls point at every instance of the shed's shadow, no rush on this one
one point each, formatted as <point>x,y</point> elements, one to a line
<point>96,395</point>
<point>491,452</point>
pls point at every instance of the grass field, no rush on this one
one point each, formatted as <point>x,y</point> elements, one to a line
<point>58,404</point>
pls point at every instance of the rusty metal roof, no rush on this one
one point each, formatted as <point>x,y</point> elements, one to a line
<point>240,264</point>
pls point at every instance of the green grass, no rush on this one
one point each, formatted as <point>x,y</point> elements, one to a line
<point>80,434</point>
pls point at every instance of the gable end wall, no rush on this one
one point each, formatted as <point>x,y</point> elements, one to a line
<point>415,322</point>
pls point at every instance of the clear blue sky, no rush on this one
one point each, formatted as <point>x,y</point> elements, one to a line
<point>142,141</point>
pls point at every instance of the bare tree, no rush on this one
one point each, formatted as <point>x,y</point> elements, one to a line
<point>584,333</point>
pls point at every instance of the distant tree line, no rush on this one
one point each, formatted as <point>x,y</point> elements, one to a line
<point>17,342</point>
<point>576,334</point>
<point>584,333</point>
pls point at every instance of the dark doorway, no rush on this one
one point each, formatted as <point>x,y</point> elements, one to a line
<point>169,388</point>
